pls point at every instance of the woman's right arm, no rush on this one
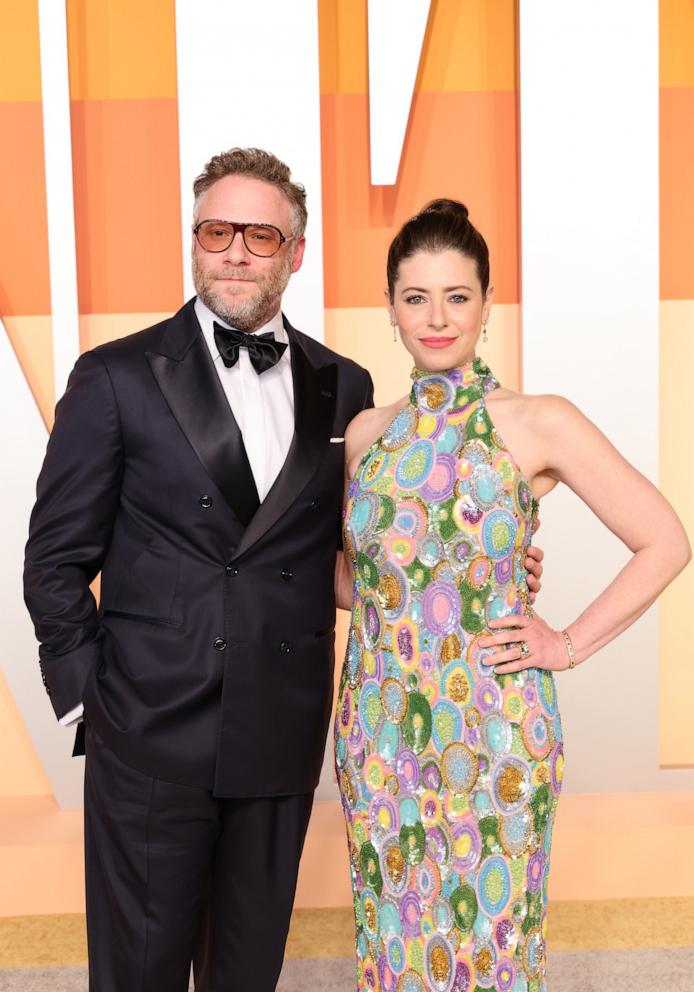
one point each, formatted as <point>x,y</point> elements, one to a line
<point>361,432</point>
<point>344,573</point>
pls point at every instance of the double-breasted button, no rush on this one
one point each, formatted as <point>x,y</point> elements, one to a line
<point>219,644</point>
<point>285,647</point>
<point>232,569</point>
<point>206,502</point>
<point>287,574</point>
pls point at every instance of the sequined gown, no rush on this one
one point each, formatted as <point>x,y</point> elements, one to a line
<point>449,774</point>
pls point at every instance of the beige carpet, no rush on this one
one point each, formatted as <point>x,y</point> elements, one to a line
<point>671,969</point>
<point>634,945</point>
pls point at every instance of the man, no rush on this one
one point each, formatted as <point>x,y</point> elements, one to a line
<point>198,466</point>
<point>201,473</point>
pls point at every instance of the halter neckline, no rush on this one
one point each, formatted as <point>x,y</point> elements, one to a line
<point>457,387</point>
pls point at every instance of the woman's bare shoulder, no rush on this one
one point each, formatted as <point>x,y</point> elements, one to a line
<point>539,409</point>
<point>534,428</point>
<point>367,427</point>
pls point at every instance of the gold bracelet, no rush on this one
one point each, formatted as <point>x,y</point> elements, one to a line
<point>570,649</point>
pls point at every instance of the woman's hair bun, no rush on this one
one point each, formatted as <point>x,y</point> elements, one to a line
<point>441,225</point>
<point>453,208</point>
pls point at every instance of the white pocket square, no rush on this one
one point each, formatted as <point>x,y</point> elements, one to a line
<point>337,440</point>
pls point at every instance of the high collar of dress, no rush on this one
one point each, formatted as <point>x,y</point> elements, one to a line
<point>435,392</point>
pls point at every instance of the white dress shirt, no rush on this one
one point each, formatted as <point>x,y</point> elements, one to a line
<point>263,406</point>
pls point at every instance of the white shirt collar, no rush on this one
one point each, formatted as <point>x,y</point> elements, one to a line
<point>206,319</point>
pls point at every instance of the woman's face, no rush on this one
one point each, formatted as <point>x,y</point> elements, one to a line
<point>439,308</point>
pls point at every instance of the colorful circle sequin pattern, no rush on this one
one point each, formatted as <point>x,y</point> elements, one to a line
<point>449,774</point>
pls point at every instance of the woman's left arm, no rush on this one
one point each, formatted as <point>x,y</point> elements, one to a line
<point>580,456</point>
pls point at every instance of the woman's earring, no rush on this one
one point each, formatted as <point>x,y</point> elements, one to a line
<point>484,332</point>
<point>394,325</point>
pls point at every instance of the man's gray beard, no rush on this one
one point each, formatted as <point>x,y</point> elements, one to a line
<point>245,314</point>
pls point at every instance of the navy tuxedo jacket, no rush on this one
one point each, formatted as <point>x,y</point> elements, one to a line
<point>210,658</point>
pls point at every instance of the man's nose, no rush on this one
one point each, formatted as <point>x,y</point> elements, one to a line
<point>237,253</point>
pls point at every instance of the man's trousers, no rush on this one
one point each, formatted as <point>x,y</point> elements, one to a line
<point>161,858</point>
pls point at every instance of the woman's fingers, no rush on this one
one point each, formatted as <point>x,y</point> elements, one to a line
<point>533,566</point>
<point>512,620</point>
<point>498,657</point>
<point>515,666</point>
<point>506,637</point>
<point>534,584</point>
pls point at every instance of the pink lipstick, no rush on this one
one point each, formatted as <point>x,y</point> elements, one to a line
<point>437,342</point>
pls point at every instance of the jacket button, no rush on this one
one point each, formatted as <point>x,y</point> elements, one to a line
<point>287,574</point>
<point>205,502</point>
<point>285,647</point>
<point>232,570</point>
<point>219,644</point>
<point>313,505</point>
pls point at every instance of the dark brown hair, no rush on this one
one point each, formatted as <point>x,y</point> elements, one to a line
<point>439,226</point>
<point>258,164</point>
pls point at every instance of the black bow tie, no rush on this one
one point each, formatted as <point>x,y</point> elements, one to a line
<point>263,351</point>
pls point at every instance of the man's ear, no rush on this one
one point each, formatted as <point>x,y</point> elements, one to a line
<point>299,249</point>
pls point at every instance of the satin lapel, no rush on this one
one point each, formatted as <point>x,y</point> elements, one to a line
<point>192,389</point>
<point>314,410</point>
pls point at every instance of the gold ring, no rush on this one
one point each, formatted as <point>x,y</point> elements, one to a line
<point>524,650</point>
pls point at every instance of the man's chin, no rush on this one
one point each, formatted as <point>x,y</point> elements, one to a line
<point>247,290</point>
<point>238,316</point>
<point>234,299</point>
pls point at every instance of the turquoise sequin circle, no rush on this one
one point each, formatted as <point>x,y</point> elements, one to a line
<point>499,531</point>
<point>365,514</point>
<point>396,955</point>
<point>401,429</point>
<point>415,465</point>
<point>494,886</point>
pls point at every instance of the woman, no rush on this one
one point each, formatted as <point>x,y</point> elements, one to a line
<point>448,738</point>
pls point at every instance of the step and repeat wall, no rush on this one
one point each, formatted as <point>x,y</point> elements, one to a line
<point>567,129</point>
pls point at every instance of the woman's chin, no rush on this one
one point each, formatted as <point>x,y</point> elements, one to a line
<point>440,359</point>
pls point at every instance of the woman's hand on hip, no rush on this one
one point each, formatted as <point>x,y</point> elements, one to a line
<point>522,642</point>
